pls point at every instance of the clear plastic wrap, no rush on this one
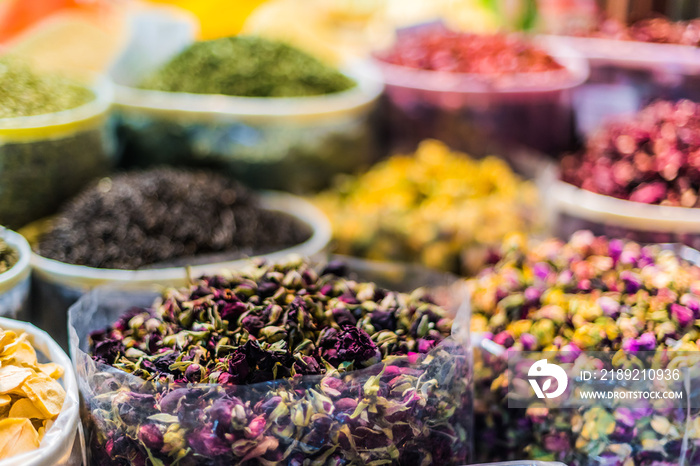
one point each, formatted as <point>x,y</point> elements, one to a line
<point>63,443</point>
<point>413,409</point>
<point>57,285</point>
<point>48,158</point>
<point>469,113</point>
<point>14,284</point>
<point>294,144</point>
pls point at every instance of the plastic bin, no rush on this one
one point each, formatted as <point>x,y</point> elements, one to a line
<point>481,115</point>
<point>63,443</point>
<point>101,386</point>
<point>293,144</point>
<point>45,159</point>
<point>572,209</point>
<point>14,284</point>
<point>57,285</point>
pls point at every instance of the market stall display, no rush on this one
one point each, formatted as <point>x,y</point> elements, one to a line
<point>159,227</point>
<point>454,87</point>
<point>269,114</point>
<point>14,274</point>
<point>280,362</point>
<point>396,211</point>
<point>636,178</point>
<point>41,422</point>
<point>45,120</point>
<point>588,294</point>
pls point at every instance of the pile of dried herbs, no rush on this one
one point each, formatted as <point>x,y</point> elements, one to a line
<point>281,364</point>
<point>24,92</point>
<point>154,217</point>
<point>8,256</point>
<point>249,67</point>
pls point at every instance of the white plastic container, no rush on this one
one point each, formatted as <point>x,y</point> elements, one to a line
<point>45,159</point>
<point>57,285</point>
<point>63,443</point>
<point>481,114</point>
<point>572,209</point>
<point>14,284</point>
<point>289,143</point>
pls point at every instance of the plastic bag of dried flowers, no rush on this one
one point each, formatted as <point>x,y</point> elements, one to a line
<point>588,294</point>
<point>292,363</point>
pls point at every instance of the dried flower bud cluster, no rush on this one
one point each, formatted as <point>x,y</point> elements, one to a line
<point>660,30</point>
<point>211,352</point>
<point>440,49</point>
<point>652,157</point>
<point>590,294</point>
<point>397,211</point>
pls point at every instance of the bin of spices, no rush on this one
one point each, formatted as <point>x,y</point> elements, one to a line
<point>637,178</point>
<point>396,211</point>
<point>54,138</point>
<point>40,423</point>
<point>160,227</point>
<point>279,363</point>
<point>267,113</point>
<point>479,93</point>
<point>587,295</point>
<point>15,269</point>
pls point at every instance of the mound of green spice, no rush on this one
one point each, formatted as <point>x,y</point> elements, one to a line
<point>249,67</point>
<point>8,256</point>
<point>24,92</point>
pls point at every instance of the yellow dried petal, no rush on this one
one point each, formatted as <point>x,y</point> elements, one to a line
<point>17,436</point>
<point>46,394</point>
<point>11,377</point>
<point>24,408</point>
<point>19,351</point>
<point>52,369</point>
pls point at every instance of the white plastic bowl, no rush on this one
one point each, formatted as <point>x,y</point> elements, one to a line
<point>14,284</point>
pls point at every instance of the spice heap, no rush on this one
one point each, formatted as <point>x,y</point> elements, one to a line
<point>652,157</point>
<point>437,207</point>
<point>659,30</point>
<point>141,218</point>
<point>439,49</point>
<point>247,66</point>
<point>30,396</point>
<point>25,93</point>
<point>310,332</point>
<point>8,256</point>
<point>590,294</point>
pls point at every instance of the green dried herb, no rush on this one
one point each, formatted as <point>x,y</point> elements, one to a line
<point>247,66</point>
<point>8,256</point>
<point>23,92</point>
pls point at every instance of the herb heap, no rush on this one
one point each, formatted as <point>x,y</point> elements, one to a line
<point>25,93</point>
<point>398,211</point>
<point>310,333</point>
<point>590,294</point>
<point>30,396</point>
<point>248,67</point>
<point>142,218</point>
<point>652,157</point>
<point>8,256</point>
<point>439,49</point>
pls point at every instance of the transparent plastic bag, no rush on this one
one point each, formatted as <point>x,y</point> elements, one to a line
<point>413,409</point>
<point>63,443</point>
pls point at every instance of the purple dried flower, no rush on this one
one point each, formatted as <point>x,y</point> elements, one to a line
<point>151,436</point>
<point>382,320</point>
<point>424,346</point>
<point>355,345</point>
<point>204,441</point>
<point>344,317</point>
<point>682,314</point>
<point>528,342</point>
